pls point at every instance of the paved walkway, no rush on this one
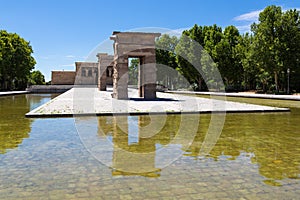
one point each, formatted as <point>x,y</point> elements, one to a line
<point>90,101</point>
<point>247,95</point>
<point>12,93</point>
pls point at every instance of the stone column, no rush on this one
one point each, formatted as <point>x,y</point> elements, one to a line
<point>149,70</point>
<point>102,72</point>
<point>120,78</point>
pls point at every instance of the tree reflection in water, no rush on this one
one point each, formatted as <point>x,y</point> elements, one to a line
<point>268,140</point>
<point>14,127</point>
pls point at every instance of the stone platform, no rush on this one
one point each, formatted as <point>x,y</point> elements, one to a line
<point>49,88</point>
<point>244,95</point>
<point>90,101</point>
<point>13,93</point>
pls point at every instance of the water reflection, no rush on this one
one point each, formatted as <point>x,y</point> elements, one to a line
<point>268,140</point>
<point>14,127</point>
<point>145,144</point>
<point>136,142</point>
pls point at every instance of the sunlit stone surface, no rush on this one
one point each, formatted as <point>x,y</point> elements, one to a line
<point>91,101</point>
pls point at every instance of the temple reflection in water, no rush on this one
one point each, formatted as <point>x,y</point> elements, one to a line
<point>135,142</point>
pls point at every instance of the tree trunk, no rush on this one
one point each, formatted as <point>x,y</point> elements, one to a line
<point>200,84</point>
<point>264,87</point>
<point>4,85</point>
<point>276,83</point>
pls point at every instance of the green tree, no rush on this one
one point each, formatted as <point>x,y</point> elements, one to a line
<point>16,61</point>
<point>212,36</point>
<point>227,58</point>
<point>244,51</point>
<point>188,63</point>
<point>259,59</point>
<point>165,50</point>
<point>166,60</point>
<point>277,43</point>
<point>290,46</point>
<point>133,70</point>
<point>267,43</point>
<point>194,55</point>
<point>36,78</point>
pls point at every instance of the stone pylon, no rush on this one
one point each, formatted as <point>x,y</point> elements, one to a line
<point>134,45</point>
<point>104,61</point>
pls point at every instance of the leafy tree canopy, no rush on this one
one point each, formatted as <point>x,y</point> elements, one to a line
<point>36,78</point>
<point>267,58</point>
<point>16,61</point>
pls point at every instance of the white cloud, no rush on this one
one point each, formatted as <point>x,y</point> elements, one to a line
<point>244,28</point>
<point>177,32</point>
<point>245,20</point>
<point>70,56</point>
<point>251,16</point>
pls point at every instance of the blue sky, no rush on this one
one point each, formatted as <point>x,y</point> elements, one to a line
<point>64,31</point>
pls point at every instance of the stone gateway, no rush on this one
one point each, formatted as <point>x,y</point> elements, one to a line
<point>113,69</point>
<point>134,44</point>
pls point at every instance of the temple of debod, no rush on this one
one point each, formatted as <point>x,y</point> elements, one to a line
<point>92,96</point>
<point>113,69</point>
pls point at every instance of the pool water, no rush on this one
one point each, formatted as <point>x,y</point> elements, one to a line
<point>255,156</point>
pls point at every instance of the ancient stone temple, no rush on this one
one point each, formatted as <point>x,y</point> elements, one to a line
<point>105,68</point>
<point>134,45</point>
<point>86,73</point>
<point>113,69</point>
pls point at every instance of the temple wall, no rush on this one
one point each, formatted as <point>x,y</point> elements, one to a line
<point>63,77</point>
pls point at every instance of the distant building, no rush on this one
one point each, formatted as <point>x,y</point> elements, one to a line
<point>63,77</point>
<point>86,74</point>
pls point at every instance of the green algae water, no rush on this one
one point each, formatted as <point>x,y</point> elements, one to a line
<point>257,156</point>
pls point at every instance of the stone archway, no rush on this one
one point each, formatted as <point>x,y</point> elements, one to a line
<point>105,63</point>
<point>134,44</point>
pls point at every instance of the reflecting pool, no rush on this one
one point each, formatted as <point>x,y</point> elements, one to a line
<point>256,156</point>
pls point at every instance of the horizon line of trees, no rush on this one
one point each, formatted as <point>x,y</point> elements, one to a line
<point>266,59</point>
